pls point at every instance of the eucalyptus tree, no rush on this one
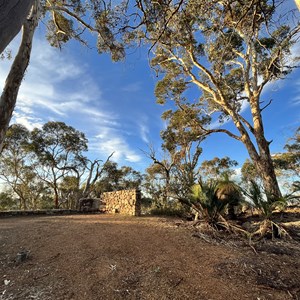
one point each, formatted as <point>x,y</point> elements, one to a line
<point>114,178</point>
<point>12,15</point>
<point>17,71</point>
<point>131,179</point>
<point>69,191</point>
<point>249,173</point>
<point>162,170</point>
<point>181,141</point>
<point>7,200</point>
<point>290,160</point>
<point>17,167</point>
<point>228,51</point>
<point>218,168</point>
<point>59,149</point>
<point>155,183</point>
<point>92,171</point>
<point>287,163</point>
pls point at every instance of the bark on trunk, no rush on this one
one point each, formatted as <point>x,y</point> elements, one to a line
<point>13,14</point>
<point>16,74</point>
<point>56,198</point>
<point>264,166</point>
<point>267,172</point>
<point>264,163</point>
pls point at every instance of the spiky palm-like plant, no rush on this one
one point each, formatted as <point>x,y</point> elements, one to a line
<point>204,196</point>
<point>230,193</point>
<point>266,205</point>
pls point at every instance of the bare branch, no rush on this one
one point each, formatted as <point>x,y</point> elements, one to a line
<point>266,105</point>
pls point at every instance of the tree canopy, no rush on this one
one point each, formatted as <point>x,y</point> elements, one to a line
<point>229,50</point>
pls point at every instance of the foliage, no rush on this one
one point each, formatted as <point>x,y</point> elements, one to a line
<point>70,191</point>
<point>159,176</point>
<point>58,148</point>
<point>71,19</point>
<point>228,191</point>
<point>7,202</point>
<point>267,205</point>
<point>288,163</point>
<point>204,197</point>
<point>168,210</point>
<point>248,172</point>
<point>262,200</point>
<point>229,51</point>
<point>115,178</point>
<point>218,168</point>
<point>47,164</point>
<point>17,167</point>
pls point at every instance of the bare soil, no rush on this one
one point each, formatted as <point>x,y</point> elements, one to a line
<point>101,256</point>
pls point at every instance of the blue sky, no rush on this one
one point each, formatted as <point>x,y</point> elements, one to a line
<point>114,103</point>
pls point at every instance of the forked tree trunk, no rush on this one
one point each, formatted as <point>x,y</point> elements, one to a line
<point>266,170</point>
<point>13,14</point>
<point>16,73</point>
<point>263,163</point>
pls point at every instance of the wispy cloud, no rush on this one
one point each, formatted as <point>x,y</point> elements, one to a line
<point>58,86</point>
<point>109,141</point>
<point>133,87</point>
<point>28,121</point>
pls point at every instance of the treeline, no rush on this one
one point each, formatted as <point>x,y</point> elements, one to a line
<point>48,168</point>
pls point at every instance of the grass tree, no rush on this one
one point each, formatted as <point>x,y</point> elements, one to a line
<point>266,205</point>
<point>229,192</point>
<point>205,198</point>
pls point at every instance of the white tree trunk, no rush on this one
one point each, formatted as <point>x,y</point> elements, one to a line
<point>17,71</point>
<point>13,14</point>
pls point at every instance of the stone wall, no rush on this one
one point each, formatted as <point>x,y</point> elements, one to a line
<point>126,202</point>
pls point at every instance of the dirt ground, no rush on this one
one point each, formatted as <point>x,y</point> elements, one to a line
<point>101,256</point>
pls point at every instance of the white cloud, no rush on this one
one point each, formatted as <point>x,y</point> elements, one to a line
<point>27,121</point>
<point>237,174</point>
<point>58,86</point>
<point>133,87</point>
<point>296,100</point>
<point>108,141</point>
<point>142,125</point>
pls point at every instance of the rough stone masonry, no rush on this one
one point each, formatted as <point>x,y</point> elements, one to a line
<point>125,202</point>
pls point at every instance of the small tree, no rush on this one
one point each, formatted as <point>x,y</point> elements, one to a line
<point>58,148</point>
<point>17,167</point>
<point>7,200</point>
<point>218,168</point>
<point>289,162</point>
<point>181,142</point>
<point>114,178</point>
<point>229,192</point>
<point>204,198</point>
<point>69,191</point>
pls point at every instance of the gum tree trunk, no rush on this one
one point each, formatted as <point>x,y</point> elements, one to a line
<point>264,165</point>
<point>13,14</point>
<point>17,72</point>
